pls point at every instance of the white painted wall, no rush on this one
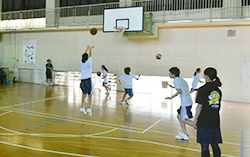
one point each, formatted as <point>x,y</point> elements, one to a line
<point>187,48</point>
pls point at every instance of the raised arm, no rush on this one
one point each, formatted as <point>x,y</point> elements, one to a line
<point>90,52</point>
<point>87,49</point>
<point>138,77</point>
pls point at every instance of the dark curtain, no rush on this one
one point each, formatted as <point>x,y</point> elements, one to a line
<point>64,3</point>
<point>22,5</point>
<point>200,4</point>
<point>17,5</point>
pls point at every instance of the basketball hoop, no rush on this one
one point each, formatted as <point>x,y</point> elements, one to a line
<point>119,31</point>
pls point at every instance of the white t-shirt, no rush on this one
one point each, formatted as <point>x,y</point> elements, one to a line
<point>128,80</point>
<point>197,78</point>
<point>180,83</point>
<point>86,69</point>
<point>105,74</point>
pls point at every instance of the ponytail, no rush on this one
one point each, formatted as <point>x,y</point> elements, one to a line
<point>103,66</point>
<point>197,70</point>
<point>85,57</point>
<point>217,81</point>
<point>212,74</point>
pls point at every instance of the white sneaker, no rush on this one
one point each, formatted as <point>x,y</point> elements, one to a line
<point>89,112</point>
<point>47,84</point>
<point>182,136</point>
<point>82,109</point>
<point>122,102</point>
<point>51,84</point>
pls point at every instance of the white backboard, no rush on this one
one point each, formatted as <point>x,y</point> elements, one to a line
<point>131,18</point>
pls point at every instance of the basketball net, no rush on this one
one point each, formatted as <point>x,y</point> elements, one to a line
<point>119,31</point>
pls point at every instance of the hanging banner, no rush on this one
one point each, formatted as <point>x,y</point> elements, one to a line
<point>29,51</point>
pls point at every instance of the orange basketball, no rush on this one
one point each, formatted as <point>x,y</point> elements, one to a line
<point>93,31</point>
<point>98,73</point>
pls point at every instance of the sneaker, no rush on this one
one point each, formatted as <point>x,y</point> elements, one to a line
<point>89,112</point>
<point>122,102</point>
<point>82,109</point>
<point>47,84</point>
<point>182,136</point>
<point>127,102</point>
<point>51,84</point>
<point>107,92</point>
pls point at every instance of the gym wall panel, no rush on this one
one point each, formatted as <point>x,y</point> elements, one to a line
<point>186,48</point>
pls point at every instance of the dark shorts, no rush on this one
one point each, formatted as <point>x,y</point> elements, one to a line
<point>193,89</point>
<point>129,92</point>
<point>86,86</point>
<point>104,83</point>
<point>48,75</point>
<point>187,111</point>
<point>211,136</point>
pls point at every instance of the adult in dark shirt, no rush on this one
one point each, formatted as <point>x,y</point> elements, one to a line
<point>207,118</point>
<point>49,69</point>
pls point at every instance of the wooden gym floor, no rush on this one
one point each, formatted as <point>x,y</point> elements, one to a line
<point>145,128</point>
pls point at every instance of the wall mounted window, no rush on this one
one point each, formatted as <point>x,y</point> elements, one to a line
<point>80,10</point>
<point>168,5</point>
<point>245,2</point>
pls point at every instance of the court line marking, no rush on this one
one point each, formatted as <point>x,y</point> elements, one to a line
<point>154,124</point>
<point>53,116</point>
<point>104,132</point>
<point>5,113</point>
<point>13,88</point>
<point>79,119</point>
<point>66,116</point>
<point>115,138</point>
<point>44,150</point>
<point>68,135</point>
<point>29,102</point>
<point>152,142</point>
<point>65,119</point>
<point>72,117</point>
<point>94,136</point>
<point>52,120</point>
<point>97,121</point>
<point>51,135</point>
<point>111,138</point>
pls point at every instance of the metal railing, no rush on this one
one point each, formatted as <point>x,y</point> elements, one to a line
<point>163,11</point>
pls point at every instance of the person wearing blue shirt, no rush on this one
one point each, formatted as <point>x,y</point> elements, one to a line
<point>197,79</point>
<point>49,69</point>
